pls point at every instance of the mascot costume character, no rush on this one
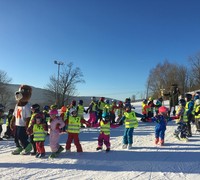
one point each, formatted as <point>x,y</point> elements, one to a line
<point>20,120</point>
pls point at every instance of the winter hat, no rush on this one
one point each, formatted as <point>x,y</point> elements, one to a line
<point>63,109</point>
<point>53,112</point>
<point>72,111</point>
<point>163,109</point>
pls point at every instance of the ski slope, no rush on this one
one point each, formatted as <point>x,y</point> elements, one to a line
<point>176,160</point>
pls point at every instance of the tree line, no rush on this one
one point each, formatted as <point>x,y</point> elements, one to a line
<point>165,74</point>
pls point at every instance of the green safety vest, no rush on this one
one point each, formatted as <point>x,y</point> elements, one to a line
<point>80,110</point>
<point>1,121</point>
<point>101,105</point>
<point>106,108</point>
<point>183,117</point>
<point>7,119</point>
<point>131,120</point>
<point>120,112</point>
<point>74,124</point>
<point>105,128</point>
<point>38,132</point>
<point>197,110</point>
<point>47,119</point>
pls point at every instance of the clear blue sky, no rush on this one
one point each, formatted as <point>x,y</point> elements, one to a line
<point>115,43</point>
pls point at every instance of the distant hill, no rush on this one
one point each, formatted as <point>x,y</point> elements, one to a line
<point>39,96</point>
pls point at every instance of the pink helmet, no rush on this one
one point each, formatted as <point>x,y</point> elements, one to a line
<point>53,112</point>
<point>163,109</point>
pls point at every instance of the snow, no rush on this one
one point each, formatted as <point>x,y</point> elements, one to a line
<point>175,160</point>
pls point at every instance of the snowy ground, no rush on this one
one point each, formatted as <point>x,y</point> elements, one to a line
<point>175,160</point>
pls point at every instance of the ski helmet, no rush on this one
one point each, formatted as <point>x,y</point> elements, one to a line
<point>35,107</point>
<point>53,112</point>
<point>163,109</point>
<point>182,102</point>
<point>197,102</point>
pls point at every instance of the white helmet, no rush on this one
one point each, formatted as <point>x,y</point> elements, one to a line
<point>197,102</point>
<point>72,110</point>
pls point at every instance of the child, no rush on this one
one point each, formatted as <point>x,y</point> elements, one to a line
<point>113,109</point>
<point>151,106</point>
<point>120,111</point>
<point>1,119</point>
<point>104,136</point>
<point>9,132</point>
<point>101,105</point>
<point>45,111</point>
<point>63,115</point>
<point>189,110</point>
<point>56,123</point>
<point>197,114</point>
<point>73,124</point>
<point>39,130</point>
<point>180,132</point>
<point>131,122</point>
<point>81,110</point>
<point>161,122</point>
<point>107,107</point>
<point>35,109</point>
<point>158,105</point>
<point>144,111</point>
<point>92,109</point>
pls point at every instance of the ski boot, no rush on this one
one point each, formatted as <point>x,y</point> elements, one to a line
<point>108,149</point>
<point>99,148</point>
<point>42,155</point>
<point>156,140</point>
<point>27,150</point>
<point>17,151</point>
<point>124,146</point>
<point>52,155</point>
<point>60,149</point>
<point>129,146</point>
<point>161,142</point>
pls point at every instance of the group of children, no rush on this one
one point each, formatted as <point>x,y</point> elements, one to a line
<point>188,111</point>
<point>102,114</point>
<point>149,108</point>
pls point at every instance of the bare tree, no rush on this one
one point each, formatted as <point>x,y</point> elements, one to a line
<point>164,75</point>
<point>68,79</point>
<point>195,71</point>
<point>183,79</point>
<point>5,93</point>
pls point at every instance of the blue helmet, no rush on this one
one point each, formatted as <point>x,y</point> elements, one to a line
<point>106,116</point>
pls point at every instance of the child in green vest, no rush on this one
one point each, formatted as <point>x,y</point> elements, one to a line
<point>39,133</point>
<point>73,128</point>
<point>104,136</point>
<point>131,122</point>
<point>197,114</point>
<point>38,130</point>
